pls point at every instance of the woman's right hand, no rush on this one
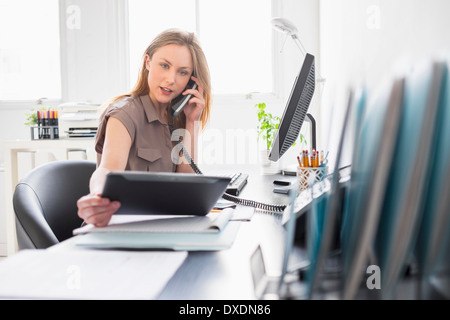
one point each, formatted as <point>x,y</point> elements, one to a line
<point>94,209</point>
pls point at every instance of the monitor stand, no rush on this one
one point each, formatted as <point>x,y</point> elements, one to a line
<point>292,169</point>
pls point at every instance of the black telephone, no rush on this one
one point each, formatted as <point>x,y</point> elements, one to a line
<point>178,107</point>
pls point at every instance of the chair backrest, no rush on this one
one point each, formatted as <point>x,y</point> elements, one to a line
<point>45,202</point>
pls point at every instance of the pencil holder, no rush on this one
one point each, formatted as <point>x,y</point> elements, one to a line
<point>307,176</point>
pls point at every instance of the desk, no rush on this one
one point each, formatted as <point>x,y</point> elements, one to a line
<point>226,274</point>
<point>60,148</point>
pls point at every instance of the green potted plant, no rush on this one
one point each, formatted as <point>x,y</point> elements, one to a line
<point>31,117</point>
<point>268,125</point>
<point>267,128</point>
<point>31,120</point>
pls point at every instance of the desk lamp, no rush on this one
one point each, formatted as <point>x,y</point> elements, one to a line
<point>285,26</point>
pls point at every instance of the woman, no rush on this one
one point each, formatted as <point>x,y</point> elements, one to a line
<point>135,129</point>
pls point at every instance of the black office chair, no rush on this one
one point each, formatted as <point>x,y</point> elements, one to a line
<point>45,202</point>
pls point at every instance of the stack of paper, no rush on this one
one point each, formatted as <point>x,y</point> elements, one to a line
<point>214,231</point>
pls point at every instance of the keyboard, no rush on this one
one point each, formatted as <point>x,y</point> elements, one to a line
<point>237,183</point>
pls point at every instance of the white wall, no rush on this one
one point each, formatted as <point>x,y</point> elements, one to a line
<point>363,42</point>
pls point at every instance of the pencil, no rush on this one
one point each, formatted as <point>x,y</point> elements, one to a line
<point>306,159</point>
<point>299,162</point>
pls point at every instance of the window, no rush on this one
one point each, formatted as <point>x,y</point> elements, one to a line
<point>29,50</point>
<point>148,18</point>
<point>235,35</point>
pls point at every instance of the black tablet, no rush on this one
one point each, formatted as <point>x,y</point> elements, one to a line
<point>164,193</point>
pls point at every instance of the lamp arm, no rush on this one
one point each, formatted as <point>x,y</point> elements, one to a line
<point>298,43</point>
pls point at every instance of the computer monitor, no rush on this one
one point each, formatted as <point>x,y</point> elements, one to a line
<point>296,109</point>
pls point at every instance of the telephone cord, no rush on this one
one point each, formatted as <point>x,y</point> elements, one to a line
<point>249,203</point>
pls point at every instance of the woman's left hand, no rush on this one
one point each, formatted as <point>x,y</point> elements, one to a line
<point>194,108</point>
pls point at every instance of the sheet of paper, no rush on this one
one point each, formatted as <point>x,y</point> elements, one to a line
<point>214,222</point>
<point>85,274</point>
<point>243,213</point>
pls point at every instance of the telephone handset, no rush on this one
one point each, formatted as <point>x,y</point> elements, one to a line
<point>175,110</point>
<point>178,107</point>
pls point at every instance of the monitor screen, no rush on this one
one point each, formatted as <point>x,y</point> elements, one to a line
<point>295,111</point>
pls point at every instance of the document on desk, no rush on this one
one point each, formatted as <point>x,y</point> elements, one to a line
<point>213,222</point>
<point>242,213</point>
<point>214,231</point>
<point>85,274</point>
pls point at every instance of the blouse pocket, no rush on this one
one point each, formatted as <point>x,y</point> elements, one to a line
<point>149,158</point>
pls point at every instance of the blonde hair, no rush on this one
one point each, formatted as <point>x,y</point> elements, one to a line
<point>200,66</point>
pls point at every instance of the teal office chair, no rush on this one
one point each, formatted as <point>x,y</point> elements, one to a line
<point>45,202</point>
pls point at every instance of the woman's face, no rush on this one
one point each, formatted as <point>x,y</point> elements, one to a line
<point>169,72</point>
